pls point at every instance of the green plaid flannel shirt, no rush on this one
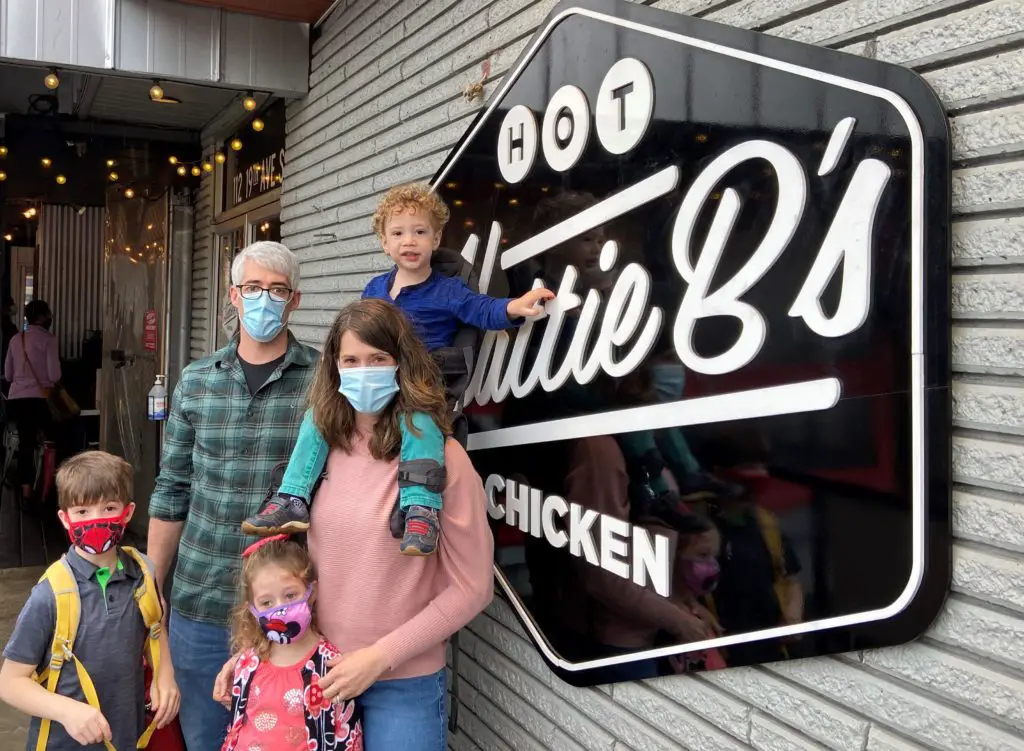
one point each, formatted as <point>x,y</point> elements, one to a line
<point>220,444</point>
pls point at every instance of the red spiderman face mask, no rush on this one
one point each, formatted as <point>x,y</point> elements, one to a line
<point>96,536</point>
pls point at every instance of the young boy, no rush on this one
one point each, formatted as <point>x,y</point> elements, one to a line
<point>94,492</point>
<point>409,221</point>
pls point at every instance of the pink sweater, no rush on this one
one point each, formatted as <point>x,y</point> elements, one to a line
<point>369,593</point>
<point>43,358</point>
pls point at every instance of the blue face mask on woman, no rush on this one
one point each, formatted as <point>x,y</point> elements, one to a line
<point>669,379</point>
<point>369,390</point>
<point>263,318</point>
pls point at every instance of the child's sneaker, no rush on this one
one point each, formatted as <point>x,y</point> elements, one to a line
<point>420,531</point>
<point>279,514</point>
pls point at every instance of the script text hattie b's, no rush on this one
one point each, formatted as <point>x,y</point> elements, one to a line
<point>618,339</point>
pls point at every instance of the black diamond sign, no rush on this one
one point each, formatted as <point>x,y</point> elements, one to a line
<point>726,441</point>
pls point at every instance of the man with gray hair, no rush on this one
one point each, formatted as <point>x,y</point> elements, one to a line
<point>234,416</point>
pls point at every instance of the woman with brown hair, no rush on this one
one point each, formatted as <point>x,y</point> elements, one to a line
<point>389,615</point>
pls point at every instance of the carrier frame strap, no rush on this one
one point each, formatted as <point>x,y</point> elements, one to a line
<point>424,472</point>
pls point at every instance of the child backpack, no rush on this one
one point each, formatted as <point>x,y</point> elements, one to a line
<point>69,610</point>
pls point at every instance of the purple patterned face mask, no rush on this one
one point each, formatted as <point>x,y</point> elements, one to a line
<point>283,624</point>
<point>701,575</point>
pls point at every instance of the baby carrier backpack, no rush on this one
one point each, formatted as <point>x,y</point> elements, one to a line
<point>65,592</point>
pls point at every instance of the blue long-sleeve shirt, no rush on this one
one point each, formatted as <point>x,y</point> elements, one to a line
<point>437,305</point>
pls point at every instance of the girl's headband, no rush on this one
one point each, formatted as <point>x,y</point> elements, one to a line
<point>260,543</point>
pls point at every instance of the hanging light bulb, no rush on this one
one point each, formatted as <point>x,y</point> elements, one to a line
<point>196,172</point>
<point>207,167</point>
<point>249,103</point>
<point>110,162</point>
<point>219,157</point>
<point>129,193</point>
<point>113,177</point>
<point>156,91</point>
<point>8,237</point>
<point>236,144</point>
<point>46,161</point>
<point>3,151</point>
<point>61,179</point>
<point>52,80</point>
<point>182,170</point>
<point>258,125</point>
<point>173,160</point>
<point>3,175</point>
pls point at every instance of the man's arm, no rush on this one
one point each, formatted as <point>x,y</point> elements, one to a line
<point>169,504</point>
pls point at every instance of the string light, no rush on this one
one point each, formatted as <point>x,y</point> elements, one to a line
<point>249,103</point>
<point>52,80</point>
<point>173,160</point>
<point>207,167</point>
<point>129,193</point>
<point>182,171</point>
<point>110,162</point>
<point>113,177</point>
<point>156,91</point>
<point>258,125</point>
<point>219,157</point>
<point>46,162</point>
<point>196,172</point>
<point>236,144</point>
<point>61,179</point>
<point>3,176</point>
<point>8,237</point>
<point>3,151</point>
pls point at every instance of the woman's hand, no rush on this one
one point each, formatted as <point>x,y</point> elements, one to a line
<point>351,674</point>
<point>222,686</point>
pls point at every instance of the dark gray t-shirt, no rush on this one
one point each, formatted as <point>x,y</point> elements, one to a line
<point>110,642</point>
<point>258,374</point>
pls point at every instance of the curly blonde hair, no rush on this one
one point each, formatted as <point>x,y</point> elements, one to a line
<point>420,388</point>
<point>288,554</point>
<point>412,196</point>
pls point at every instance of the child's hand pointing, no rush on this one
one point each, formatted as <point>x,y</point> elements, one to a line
<point>525,306</point>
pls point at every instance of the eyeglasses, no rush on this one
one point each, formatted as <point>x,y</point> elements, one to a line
<point>278,293</point>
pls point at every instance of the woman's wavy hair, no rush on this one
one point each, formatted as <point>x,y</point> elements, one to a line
<point>246,632</point>
<point>382,326</point>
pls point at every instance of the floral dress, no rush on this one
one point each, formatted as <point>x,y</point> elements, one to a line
<point>265,699</point>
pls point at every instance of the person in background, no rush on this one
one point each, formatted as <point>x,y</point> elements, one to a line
<point>8,326</point>
<point>32,367</point>
<point>233,417</point>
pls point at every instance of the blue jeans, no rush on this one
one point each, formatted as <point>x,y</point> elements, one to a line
<point>406,713</point>
<point>309,456</point>
<point>198,652</point>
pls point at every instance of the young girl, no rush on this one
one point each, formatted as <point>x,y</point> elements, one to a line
<point>695,576</point>
<point>276,700</point>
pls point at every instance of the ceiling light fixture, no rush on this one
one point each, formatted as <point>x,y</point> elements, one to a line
<point>249,103</point>
<point>156,91</point>
<point>52,80</point>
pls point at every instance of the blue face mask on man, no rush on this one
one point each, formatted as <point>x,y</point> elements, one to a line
<point>669,379</point>
<point>263,318</point>
<point>369,390</point>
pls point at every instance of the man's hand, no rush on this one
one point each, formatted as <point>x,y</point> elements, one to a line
<point>165,696</point>
<point>85,724</point>
<point>351,674</point>
<point>524,307</point>
<point>222,686</point>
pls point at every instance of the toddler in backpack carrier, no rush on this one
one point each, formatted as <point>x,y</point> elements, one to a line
<point>75,660</point>
<point>435,288</point>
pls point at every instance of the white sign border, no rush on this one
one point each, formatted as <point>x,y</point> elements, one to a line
<point>917,385</point>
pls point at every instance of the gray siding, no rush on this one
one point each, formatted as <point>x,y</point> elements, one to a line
<point>385,106</point>
<point>200,341</point>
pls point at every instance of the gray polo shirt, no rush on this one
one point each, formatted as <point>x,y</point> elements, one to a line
<point>110,642</point>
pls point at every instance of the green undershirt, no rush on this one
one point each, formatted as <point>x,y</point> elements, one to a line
<point>103,575</point>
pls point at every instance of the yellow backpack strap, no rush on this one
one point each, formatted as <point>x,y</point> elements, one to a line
<point>148,599</point>
<point>69,612</point>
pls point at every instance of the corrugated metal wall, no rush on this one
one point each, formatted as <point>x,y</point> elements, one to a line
<point>71,272</point>
<point>385,106</point>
